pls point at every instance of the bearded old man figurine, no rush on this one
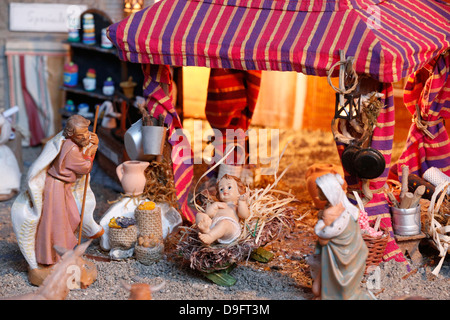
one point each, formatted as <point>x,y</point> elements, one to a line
<point>47,214</point>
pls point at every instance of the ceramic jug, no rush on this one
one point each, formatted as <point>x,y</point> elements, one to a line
<point>132,176</point>
<point>313,172</point>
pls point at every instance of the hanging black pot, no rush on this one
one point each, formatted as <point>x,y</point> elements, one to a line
<point>369,163</point>
<point>365,163</point>
<point>348,158</point>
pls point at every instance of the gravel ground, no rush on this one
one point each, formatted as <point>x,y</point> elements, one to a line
<point>182,283</point>
<point>254,280</point>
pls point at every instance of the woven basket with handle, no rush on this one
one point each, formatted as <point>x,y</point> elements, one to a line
<point>376,248</point>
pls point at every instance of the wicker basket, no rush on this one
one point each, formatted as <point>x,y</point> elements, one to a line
<point>376,248</point>
<point>123,238</point>
<point>149,222</point>
<point>149,255</point>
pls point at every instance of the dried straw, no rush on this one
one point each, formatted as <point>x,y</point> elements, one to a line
<point>211,258</point>
<point>160,186</point>
<point>267,211</point>
<point>440,234</point>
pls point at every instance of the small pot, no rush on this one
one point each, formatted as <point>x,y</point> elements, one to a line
<point>128,88</point>
<point>315,171</point>
<point>131,175</point>
<point>83,109</point>
<point>89,84</point>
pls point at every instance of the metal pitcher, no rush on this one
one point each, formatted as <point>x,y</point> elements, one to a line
<point>133,142</point>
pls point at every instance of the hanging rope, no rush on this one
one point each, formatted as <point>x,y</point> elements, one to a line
<point>423,125</point>
<point>354,75</point>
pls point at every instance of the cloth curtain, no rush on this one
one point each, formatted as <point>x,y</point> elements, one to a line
<point>230,104</point>
<point>378,206</point>
<point>28,77</point>
<point>427,97</point>
<point>158,86</point>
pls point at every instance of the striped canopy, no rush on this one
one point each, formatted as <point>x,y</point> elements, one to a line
<point>389,39</point>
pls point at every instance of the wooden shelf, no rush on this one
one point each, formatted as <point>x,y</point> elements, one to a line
<point>97,93</point>
<point>67,114</point>
<point>94,47</point>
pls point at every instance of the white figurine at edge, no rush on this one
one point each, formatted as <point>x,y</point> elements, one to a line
<point>220,222</point>
<point>9,169</point>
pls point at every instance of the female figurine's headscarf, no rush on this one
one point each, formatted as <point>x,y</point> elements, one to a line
<point>331,186</point>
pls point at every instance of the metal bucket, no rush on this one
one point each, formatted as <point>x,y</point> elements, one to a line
<point>406,222</point>
<point>153,139</point>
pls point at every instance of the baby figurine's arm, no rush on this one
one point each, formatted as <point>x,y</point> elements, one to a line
<point>242,209</point>
<point>212,209</point>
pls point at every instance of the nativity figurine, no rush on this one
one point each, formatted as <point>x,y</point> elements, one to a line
<point>57,285</point>
<point>9,168</point>
<point>47,213</point>
<point>220,221</point>
<point>341,250</point>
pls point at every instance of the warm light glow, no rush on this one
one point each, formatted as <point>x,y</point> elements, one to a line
<point>350,107</point>
<point>131,6</point>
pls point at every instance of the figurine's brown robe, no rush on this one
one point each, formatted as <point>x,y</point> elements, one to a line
<point>60,216</point>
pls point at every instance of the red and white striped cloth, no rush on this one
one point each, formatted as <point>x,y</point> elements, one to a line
<point>158,102</point>
<point>428,89</point>
<point>231,101</point>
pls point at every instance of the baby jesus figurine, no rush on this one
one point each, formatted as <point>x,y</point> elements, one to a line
<point>220,222</point>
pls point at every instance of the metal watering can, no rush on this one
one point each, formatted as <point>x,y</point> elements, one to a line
<point>144,142</point>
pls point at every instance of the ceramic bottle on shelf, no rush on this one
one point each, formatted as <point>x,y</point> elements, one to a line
<point>88,29</point>
<point>108,87</point>
<point>106,43</point>
<point>90,81</point>
<point>73,35</point>
<point>70,106</point>
<point>70,74</point>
